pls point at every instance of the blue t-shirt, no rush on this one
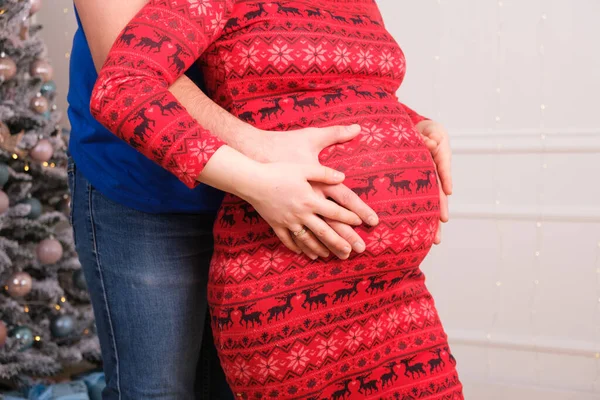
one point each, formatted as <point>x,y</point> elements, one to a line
<point>112,166</point>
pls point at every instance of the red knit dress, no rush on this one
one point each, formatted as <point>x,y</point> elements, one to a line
<point>287,327</point>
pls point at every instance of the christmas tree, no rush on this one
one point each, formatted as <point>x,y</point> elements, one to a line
<point>46,320</point>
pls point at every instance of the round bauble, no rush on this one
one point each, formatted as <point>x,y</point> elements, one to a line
<point>4,202</point>
<point>79,279</point>
<point>49,251</point>
<point>42,151</point>
<point>4,175</point>
<point>39,104</point>
<point>8,68</point>
<point>35,6</point>
<point>62,326</point>
<point>36,207</point>
<point>42,69</point>
<point>3,333</point>
<point>19,284</point>
<point>24,337</point>
<point>48,89</point>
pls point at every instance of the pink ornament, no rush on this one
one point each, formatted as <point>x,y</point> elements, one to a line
<point>8,68</point>
<point>49,251</point>
<point>39,104</point>
<point>35,6</point>
<point>43,70</point>
<point>19,284</point>
<point>42,151</point>
<point>4,202</point>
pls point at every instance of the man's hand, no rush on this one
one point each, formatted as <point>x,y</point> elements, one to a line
<point>437,141</point>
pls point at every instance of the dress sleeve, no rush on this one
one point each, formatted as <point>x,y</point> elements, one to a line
<point>413,115</point>
<point>131,97</point>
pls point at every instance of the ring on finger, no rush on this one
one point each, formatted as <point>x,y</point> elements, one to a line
<point>300,232</point>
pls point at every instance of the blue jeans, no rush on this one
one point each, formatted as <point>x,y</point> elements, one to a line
<point>147,277</point>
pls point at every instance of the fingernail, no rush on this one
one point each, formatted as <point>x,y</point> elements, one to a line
<point>359,247</point>
<point>372,220</point>
<point>347,249</point>
<point>314,257</point>
<point>326,255</point>
<point>354,128</point>
<point>298,252</point>
<point>338,175</point>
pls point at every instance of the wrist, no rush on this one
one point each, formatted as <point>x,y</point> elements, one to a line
<point>253,143</point>
<point>233,172</point>
<point>246,184</point>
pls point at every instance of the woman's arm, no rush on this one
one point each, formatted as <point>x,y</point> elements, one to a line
<point>104,20</point>
<point>131,96</point>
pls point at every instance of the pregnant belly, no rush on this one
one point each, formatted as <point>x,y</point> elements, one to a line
<point>387,165</point>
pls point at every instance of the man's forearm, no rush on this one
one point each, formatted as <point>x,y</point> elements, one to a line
<point>238,134</point>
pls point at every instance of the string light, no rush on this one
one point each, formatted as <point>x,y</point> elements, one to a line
<point>26,167</point>
<point>52,165</point>
<point>38,339</point>
<point>499,266</point>
<point>26,309</point>
<point>45,163</point>
<point>57,307</point>
<point>62,299</point>
<point>14,156</point>
<point>539,198</point>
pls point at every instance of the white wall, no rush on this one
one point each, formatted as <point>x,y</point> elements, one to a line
<point>521,302</point>
<point>517,278</point>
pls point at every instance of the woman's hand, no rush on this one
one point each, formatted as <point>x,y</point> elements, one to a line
<point>437,141</point>
<point>303,146</point>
